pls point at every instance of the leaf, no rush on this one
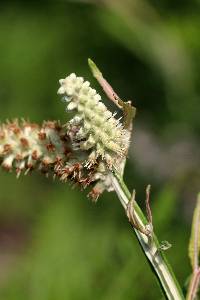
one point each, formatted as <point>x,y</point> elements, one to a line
<point>194,244</point>
<point>103,82</point>
<point>129,111</point>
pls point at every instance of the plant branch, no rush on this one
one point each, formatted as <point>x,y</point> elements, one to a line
<point>194,283</point>
<point>194,252</point>
<point>149,244</point>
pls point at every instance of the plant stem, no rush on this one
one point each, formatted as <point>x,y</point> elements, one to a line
<point>194,253</point>
<point>150,245</point>
<point>194,283</point>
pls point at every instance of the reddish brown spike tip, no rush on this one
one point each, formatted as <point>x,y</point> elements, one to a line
<point>24,142</point>
<point>67,151</point>
<point>34,155</point>
<point>18,157</point>
<point>94,194</point>
<point>29,166</point>
<point>7,148</point>
<point>2,135</point>
<point>49,124</point>
<point>45,162</point>
<point>42,135</point>
<point>50,147</point>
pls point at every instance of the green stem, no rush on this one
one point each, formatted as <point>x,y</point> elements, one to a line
<point>150,245</point>
<point>194,283</point>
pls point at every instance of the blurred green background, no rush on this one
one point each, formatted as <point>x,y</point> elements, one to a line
<point>55,243</point>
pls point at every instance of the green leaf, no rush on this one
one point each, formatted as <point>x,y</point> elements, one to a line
<point>95,70</point>
<point>129,111</point>
<point>194,244</point>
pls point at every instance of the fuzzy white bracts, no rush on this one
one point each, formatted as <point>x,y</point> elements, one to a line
<point>93,127</point>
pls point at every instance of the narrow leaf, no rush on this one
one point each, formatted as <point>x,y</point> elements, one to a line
<point>194,245</point>
<point>103,83</point>
<point>128,110</point>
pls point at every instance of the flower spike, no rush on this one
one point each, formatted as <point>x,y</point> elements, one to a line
<point>93,127</point>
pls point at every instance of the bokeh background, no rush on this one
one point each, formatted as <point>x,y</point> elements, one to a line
<point>54,243</point>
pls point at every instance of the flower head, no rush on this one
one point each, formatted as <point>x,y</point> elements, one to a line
<point>84,150</point>
<point>93,127</point>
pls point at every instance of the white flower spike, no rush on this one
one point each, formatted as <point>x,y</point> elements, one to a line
<point>93,127</point>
